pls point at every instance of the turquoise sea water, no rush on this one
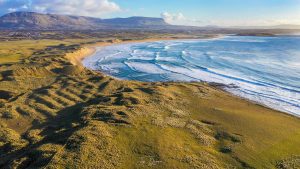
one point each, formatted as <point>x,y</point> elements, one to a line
<point>263,69</point>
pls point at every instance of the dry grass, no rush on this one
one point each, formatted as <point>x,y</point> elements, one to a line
<point>56,115</point>
<point>14,51</point>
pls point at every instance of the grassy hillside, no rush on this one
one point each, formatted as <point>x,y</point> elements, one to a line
<point>15,51</point>
<point>57,115</point>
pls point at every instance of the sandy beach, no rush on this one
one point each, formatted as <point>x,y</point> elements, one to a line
<point>88,50</point>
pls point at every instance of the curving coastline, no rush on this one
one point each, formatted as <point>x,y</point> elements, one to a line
<point>88,50</point>
<point>208,75</point>
<point>77,56</point>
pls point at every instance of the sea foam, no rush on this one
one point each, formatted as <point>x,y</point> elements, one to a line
<point>264,69</point>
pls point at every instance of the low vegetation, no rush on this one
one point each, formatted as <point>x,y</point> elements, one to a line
<point>57,115</point>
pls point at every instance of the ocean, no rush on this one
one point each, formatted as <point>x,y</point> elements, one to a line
<point>262,69</point>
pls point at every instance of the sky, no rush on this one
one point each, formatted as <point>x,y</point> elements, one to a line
<point>178,12</point>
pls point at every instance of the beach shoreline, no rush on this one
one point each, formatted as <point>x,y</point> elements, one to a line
<point>78,56</point>
<point>89,50</point>
<point>85,51</point>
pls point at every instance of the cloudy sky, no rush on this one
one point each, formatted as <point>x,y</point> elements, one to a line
<point>188,12</point>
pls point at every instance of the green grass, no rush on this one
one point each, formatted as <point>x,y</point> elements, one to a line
<point>267,135</point>
<point>14,51</point>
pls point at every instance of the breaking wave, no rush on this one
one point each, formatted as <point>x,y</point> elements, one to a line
<point>264,69</point>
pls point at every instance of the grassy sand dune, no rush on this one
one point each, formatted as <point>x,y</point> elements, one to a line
<point>57,114</point>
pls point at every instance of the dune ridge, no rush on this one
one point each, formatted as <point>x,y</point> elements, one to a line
<point>73,117</point>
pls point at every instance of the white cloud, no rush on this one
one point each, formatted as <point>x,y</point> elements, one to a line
<point>22,7</point>
<point>173,18</point>
<point>180,19</point>
<point>95,8</point>
<point>12,9</point>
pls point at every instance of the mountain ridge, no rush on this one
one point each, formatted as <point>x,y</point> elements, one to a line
<point>282,26</point>
<point>32,20</point>
<point>39,21</point>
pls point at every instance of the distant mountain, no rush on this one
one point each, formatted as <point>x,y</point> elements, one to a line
<point>287,26</point>
<point>37,21</point>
